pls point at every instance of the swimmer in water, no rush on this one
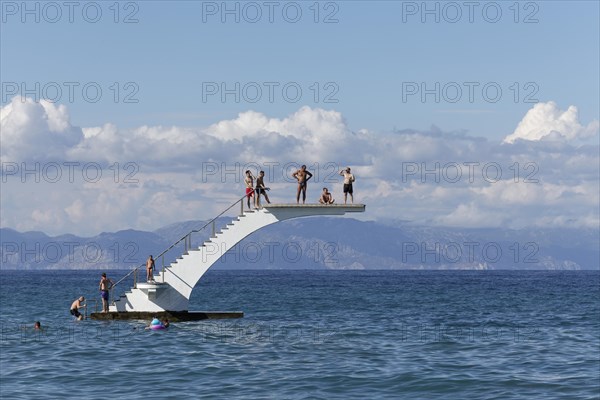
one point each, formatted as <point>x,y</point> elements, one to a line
<point>77,304</point>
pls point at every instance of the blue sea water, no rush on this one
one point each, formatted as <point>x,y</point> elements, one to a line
<point>314,335</point>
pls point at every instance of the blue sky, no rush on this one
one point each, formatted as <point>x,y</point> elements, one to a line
<point>530,72</point>
<point>368,55</point>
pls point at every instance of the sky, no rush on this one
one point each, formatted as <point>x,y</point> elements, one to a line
<point>137,114</point>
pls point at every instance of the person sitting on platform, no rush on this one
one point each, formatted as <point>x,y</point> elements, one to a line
<point>326,197</point>
<point>77,304</point>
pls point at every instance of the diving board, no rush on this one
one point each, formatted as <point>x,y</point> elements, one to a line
<point>173,286</point>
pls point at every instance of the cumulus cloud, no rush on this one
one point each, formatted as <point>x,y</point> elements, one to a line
<point>430,177</point>
<point>472,215</point>
<point>39,131</point>
<point>547,121</point>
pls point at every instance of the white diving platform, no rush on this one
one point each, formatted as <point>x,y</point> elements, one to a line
<point>173,285</point>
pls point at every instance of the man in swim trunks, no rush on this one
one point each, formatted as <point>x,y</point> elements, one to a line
<point>77,304</point>
<point>302,176</point>
<point>249,181</point>
<point>150,269</point>
<point>105,285</point>
<point>260,189</point>
<point>348,179</point>
<point>326,197</point>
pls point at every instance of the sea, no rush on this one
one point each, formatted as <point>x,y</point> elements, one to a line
<point>310,334</point>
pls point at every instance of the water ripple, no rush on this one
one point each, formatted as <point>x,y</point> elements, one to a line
<point>316,335</point>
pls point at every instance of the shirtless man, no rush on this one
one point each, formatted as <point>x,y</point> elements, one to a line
<point>150,269</point>
<point>260,189</point>
<point>105,285</point>
<point>348,179</point>
<point>77,304</point>
<point>326,197</point>
<point>302,176</point>
<point>249,181</point>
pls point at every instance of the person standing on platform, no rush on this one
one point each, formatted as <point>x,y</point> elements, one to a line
<point>249,181</point>
<point>150,266</point>
<point>302,176</point>
<point>261,189</point>
<point>105,285</point>
<point>348,180</point>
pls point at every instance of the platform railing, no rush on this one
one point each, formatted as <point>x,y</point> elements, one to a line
<point>86,308</point>
<point>187,241</point>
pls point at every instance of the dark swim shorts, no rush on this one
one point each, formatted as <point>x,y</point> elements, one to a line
<point>348,188</point>
<point>75,312</point>
<point>104,294</point>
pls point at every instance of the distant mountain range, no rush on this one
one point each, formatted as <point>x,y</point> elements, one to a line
<point>318,243</point>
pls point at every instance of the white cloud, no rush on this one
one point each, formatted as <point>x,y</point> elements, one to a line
<point>540,182</point>
<point>35,131</point>
<point>547,121</point>
<point>472,215</point>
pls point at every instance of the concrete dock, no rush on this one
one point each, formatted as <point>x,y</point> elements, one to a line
<point>173,316</point>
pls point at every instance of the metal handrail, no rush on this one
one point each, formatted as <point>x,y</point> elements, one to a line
<point>212,221</point>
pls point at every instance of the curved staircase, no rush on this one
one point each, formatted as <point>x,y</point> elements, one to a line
<point>173,285</point>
